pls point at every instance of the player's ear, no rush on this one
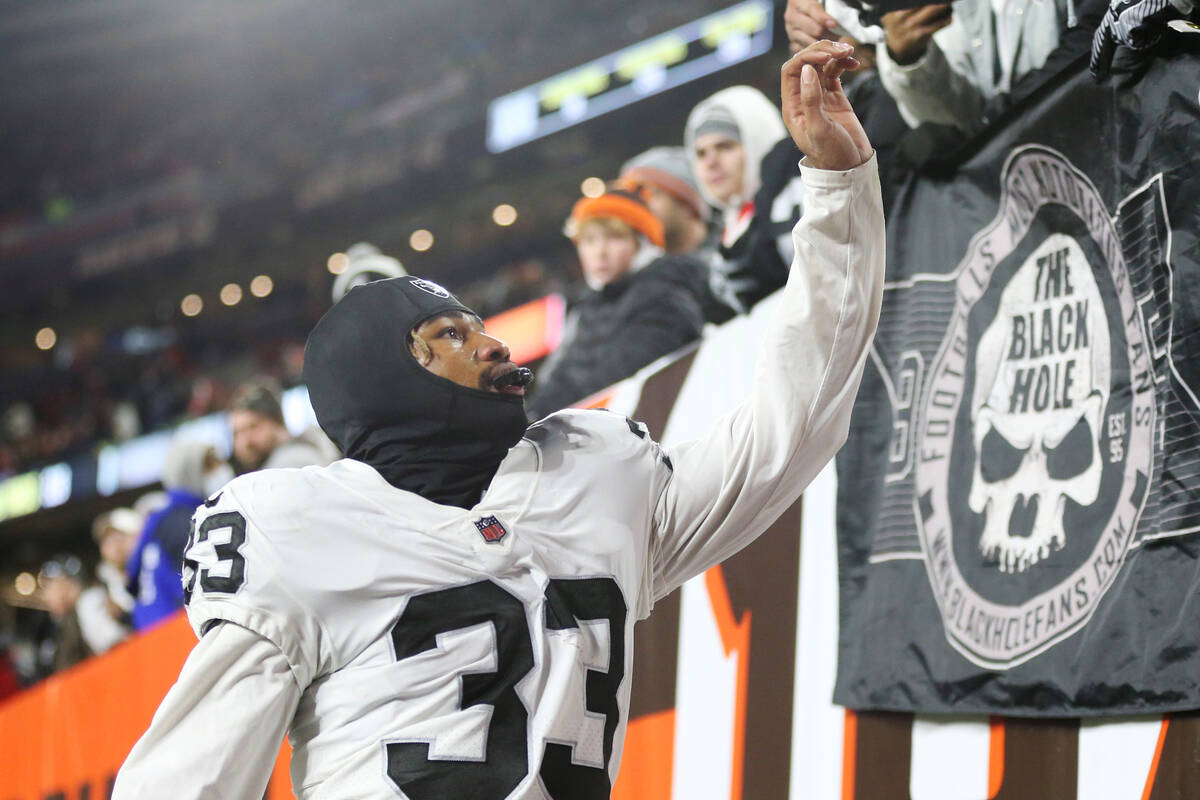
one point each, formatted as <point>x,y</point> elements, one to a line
<point>420,349</point>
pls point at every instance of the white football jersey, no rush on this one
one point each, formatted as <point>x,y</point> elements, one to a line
<point>446,651</point>
<point>425,651</point>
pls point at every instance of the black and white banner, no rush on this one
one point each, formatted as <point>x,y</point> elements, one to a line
<point>1019,501</point>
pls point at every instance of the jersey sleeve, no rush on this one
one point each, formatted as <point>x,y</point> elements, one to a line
<point>234,570</point>
<point>217,732</point>
<point>728,487</point>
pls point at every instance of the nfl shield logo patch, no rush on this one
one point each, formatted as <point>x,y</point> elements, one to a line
<point>491,529</point>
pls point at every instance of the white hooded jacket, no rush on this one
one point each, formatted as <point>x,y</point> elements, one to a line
<point>738,274</point>
<point>760,126</point>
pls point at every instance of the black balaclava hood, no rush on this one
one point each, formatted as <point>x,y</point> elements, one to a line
<point>421,432</point>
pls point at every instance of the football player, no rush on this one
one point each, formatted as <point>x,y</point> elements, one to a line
<point>448,612</point>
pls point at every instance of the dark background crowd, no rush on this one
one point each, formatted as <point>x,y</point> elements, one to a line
<point>157,155</point>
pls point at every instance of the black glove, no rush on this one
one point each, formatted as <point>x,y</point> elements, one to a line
<point>1136,24</point>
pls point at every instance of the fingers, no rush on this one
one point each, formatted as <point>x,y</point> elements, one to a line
<point>836,66</point>
<point>815,109</point>
<point>810,97</point>
<point>908,31</point>
<point>823,55</point>
<point>806,21</point>
<point>818,54</point>
<point>827,142</point>
<point>829,60</point>
<point>803,30</point>
<point>817,11</point>
<point>831,78</point>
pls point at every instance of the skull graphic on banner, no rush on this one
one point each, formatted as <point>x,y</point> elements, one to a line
<point>1037,418</point>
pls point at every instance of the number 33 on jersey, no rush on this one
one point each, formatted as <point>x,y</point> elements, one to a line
<point>445,652</point>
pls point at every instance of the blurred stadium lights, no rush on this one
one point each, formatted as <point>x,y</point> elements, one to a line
<point>504,215</point>
<point>337,263</point>
<point>421,240</point>
<point>592,187</point>
<point>231,294</point>
<point>140,340</point>
<point>45,338</point>
<point>531,330</point>
<point>191,305</point>
<point>21,494</point>
<point>662,62</point>
<point>25,584</point>
<point>262,285</point>
<point>108,476</point>
<point>55,481</point>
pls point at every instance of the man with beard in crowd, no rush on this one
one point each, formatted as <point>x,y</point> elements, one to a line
<point>663,176</point>
<point>261,439</point>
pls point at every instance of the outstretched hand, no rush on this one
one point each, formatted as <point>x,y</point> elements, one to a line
<point>816,111</point>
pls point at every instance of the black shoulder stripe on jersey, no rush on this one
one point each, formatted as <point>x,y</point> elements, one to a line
<point>212,501</point>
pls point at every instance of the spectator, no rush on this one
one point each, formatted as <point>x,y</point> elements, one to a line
<point>104,608</point>
<point>61,583</point>
<point>944,66</point>
<point>664,177</point>
<point>749,169</point>
<point>192,472</point>
<point>637,307</point>
<point>727,135</point>
<point>260,438</point>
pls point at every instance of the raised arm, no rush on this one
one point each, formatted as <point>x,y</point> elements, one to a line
<point>218,731</point>
<point>726,488</point>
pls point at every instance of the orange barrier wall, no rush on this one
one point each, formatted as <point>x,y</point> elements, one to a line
<point>67,737</point>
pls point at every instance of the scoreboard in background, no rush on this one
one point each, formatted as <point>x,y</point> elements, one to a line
<point>662,62</point>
